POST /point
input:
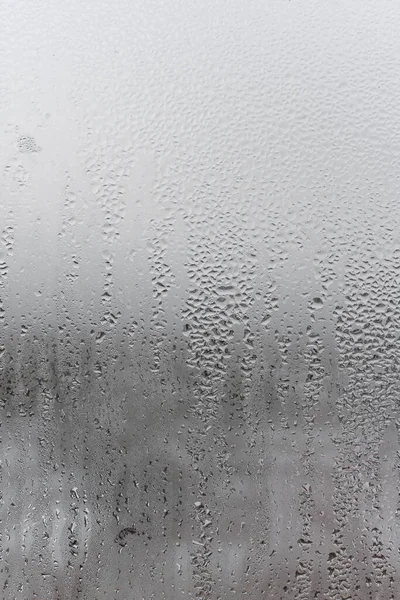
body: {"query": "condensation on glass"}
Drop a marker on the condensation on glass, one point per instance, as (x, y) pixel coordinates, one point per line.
(199, 300)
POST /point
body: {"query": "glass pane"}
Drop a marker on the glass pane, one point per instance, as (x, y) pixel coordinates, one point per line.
(199, 271)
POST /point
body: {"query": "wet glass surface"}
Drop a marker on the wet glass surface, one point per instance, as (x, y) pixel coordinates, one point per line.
(199, 300)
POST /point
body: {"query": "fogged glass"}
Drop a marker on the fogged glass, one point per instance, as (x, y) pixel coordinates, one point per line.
(199, 300)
